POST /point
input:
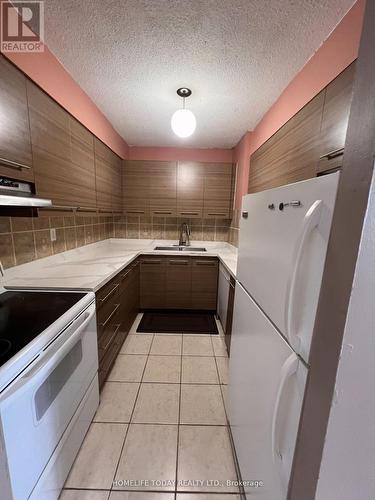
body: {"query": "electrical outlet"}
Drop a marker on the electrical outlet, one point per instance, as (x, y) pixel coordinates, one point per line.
(53, 234)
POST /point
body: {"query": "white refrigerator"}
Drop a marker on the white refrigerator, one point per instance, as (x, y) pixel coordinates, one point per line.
(283, 242)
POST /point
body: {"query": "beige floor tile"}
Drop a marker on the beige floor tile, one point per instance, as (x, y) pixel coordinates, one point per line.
(167, 345)
(137, 344)
(202, 404)
(97, 459)
(140, 495)
(84, 495)
(116, 402)
(197, 346)
(205, 452)
(157, 404)
(208, 496)
(150, 453)
(127, 368)
(163, 369)
(220, 349)
(223, 368)
(199, 370)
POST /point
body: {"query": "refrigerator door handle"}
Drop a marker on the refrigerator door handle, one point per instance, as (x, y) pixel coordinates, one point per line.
(288, 369)
(311, 221)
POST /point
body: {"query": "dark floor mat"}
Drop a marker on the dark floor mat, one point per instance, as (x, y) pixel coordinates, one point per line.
(199, 322)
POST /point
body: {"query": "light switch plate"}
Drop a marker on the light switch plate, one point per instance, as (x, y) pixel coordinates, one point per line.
(53, 234)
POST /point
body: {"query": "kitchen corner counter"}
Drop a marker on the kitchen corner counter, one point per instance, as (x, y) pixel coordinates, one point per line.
(92, 266)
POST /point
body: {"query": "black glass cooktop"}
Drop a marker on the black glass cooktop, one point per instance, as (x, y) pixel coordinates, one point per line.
(24, 315)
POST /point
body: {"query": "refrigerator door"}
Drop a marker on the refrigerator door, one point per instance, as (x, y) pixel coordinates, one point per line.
(266, 388)
(283, 244)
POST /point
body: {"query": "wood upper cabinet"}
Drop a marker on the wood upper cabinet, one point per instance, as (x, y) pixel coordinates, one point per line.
(190, 188)
(15, 144)
(217, 195)
(108, 172)
(292, 153)
(83, 164)
(335, 119)
(300, 149)
(150, 188)
(63, 151)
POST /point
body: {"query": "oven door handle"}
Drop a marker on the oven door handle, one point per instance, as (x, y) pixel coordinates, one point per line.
(46, 362)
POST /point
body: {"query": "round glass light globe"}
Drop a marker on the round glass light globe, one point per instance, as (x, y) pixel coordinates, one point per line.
(183, 122)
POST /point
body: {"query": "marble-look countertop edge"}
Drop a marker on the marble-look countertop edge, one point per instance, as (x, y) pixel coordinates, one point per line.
(30, 283)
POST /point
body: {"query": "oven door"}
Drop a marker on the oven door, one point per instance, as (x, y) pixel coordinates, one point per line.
(37, 407)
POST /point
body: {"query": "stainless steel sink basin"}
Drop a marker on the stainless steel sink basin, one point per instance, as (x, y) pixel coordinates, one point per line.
(177, 248)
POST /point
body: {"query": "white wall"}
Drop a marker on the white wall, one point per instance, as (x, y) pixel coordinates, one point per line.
(347, 471)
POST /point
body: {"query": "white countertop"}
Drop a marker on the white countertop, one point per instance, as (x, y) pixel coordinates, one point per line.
(91, 266)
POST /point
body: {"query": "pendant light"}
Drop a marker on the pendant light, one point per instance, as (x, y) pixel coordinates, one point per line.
(183, 121)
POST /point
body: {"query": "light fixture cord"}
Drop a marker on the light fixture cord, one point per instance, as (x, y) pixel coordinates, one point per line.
(183, 103)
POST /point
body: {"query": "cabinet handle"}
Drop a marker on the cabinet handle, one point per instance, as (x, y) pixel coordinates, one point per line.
(14, 164)
(109, 293)
(117, 327)
(135, 211)
(161, 213)
(333, 154)
(204, 263)
(105, 323)
(123, 276)
(151, 261)
(221, 215)
(177, 262)
(189, 213)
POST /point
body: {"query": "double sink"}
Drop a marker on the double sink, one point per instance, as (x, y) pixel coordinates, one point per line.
(181, 248)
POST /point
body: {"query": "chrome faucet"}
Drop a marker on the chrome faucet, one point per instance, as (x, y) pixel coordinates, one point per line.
(184, 235)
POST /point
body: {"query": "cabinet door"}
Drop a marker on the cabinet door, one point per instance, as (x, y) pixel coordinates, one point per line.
(116, 179)
(178, 283)
(335, 120)
(136, 188)
(292, 153)
(103, 174)
(153, 283)
(268, 162)
(162, 177)
(50, 138)
(204, 279)
(190, 189)
(217, 195)
(15, 144)
(83, 164)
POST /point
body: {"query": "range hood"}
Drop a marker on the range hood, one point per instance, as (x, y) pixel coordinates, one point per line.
(19, 194)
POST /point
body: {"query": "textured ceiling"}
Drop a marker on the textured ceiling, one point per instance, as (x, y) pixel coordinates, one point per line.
(237, 56)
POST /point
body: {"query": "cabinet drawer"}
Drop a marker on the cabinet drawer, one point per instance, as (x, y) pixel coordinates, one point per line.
(106, 339)
(108, 292)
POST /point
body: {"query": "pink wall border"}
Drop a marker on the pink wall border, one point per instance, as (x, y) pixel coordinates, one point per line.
(338, 51)
(174, 154)
(47, 72)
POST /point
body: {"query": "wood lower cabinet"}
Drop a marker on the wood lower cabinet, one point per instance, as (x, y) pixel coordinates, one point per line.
(178, 283)
(204, 279)
(15, 143)
(153, 282)
(117, 305)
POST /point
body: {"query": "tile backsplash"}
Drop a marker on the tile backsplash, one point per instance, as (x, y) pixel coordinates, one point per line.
(234, 228)
(24, 239)
(144, 227)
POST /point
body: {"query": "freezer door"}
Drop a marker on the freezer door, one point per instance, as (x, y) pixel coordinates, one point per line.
(282, 249)
(266, 388)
